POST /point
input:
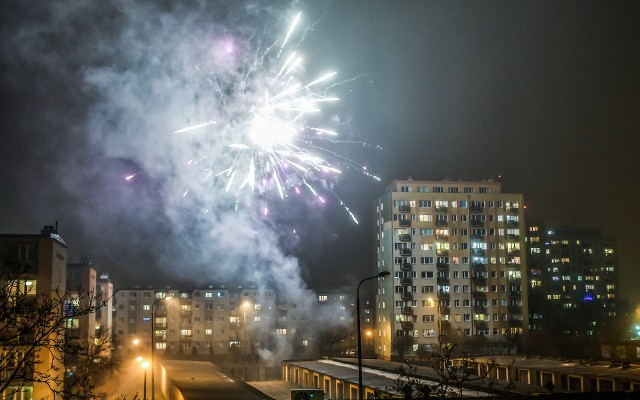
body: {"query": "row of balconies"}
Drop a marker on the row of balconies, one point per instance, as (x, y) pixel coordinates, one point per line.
(405, 208)
(479, 324)
(476, 223)
(407, 252)
(476, 266)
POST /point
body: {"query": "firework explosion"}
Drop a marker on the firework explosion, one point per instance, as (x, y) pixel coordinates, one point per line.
(272, 147)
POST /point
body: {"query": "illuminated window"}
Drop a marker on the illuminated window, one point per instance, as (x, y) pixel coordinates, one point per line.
(72, 323)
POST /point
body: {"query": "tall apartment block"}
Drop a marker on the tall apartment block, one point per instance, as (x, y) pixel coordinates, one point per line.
(94, 290)
(456, 253)
(44, 257)
(570, 269)
(213, 320)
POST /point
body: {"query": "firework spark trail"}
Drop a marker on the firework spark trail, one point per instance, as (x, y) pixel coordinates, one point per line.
(190, 128)
(270, 141)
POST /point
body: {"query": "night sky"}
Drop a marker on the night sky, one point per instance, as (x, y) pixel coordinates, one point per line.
(541, 95)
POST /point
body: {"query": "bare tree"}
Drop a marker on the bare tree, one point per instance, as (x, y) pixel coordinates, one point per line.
(403, 344)
(407, 384)
(32, 330)
(89, 361)
(457, 372)
(329, 338)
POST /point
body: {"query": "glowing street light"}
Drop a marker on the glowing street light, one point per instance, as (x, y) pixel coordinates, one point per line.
(360, 388)
(144, 365)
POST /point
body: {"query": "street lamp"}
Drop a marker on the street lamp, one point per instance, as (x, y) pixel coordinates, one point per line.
(245, 305)
(144, 365)
(153, 347)
(360, 388)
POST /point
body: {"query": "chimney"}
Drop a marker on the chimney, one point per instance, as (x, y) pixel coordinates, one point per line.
(48, 230)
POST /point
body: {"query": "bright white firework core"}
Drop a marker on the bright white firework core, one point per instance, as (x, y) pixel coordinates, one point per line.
(270, 133)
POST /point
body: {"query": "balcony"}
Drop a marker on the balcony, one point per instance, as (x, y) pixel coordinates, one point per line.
(442, 209)
(511, 210)
(511, 222)
(478, 252)
(513, 237)
(476, 237)
(514, 294)
(407, 325)
(442, 267)
(407, 311)
(443, 294)
(406, 266)
(479, 295)
(513, 279)
(405, 223)
(479, 280)
(515, 323)
(513, 251)
(405, 252)
(476, 209)
(478, 309)
(444, 310)
(442, 238)
(405, 237)
(404, 209)
(477, 223)
(407, 296)
(406, 281)
(513, 266)
(514, 309)
(479, 266)
(480, 324)
(443, 280)
(442, 252)
(440, 222)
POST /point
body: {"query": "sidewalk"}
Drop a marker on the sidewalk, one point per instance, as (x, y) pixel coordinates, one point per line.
(277, 390)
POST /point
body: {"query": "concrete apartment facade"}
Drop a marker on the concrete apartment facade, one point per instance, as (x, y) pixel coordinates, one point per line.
(45, 259)
(456, 254)
(212, 320)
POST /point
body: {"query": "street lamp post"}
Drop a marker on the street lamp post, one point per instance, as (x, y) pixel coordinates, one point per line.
(153, 347)
(360, 388)
(145, 365)
(244, 339)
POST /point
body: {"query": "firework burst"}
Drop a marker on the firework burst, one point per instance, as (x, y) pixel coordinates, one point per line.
(272, 147)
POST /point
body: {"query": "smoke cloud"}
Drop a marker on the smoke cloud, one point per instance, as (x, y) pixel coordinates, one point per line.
(131, 74)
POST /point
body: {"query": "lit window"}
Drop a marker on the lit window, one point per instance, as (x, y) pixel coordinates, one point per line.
(72, 323)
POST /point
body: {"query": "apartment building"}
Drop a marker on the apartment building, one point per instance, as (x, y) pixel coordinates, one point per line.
(213, 320)
(44, 258)
(456, 254)
(571, 270)
(92, 289)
